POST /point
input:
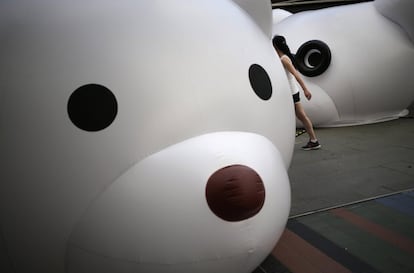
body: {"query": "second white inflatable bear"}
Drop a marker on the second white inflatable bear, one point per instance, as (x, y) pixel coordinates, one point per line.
(357, 60)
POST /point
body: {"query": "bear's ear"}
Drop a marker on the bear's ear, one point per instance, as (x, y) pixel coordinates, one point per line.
(260, 11)
(400, 12)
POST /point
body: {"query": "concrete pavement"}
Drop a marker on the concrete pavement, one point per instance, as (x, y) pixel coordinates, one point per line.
(355, 163)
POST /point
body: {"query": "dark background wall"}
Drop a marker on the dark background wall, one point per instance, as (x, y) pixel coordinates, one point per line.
(296, 6)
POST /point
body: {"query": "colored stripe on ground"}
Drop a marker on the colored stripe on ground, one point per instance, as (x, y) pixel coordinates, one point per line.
(364, 246)
(271, 265)
(401, 202)
(386, 217)
(382, 233)
(409, 193)
(329, 248)
(368, 237)
(301, 257)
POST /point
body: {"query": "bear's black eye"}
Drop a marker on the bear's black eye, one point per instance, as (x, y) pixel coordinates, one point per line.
(92, 107)
(260, 82)
(313, 58)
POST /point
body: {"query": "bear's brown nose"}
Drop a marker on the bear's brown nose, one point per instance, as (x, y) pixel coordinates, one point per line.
(235, 193)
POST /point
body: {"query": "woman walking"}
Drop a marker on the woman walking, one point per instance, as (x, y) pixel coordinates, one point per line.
(282, 49)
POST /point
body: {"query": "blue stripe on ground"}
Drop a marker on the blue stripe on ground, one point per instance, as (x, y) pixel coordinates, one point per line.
(271, 265)
(329, 248)
(400, 202)
(409, 193)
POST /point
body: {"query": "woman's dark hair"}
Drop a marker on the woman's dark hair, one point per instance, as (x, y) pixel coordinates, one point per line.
(279, 42)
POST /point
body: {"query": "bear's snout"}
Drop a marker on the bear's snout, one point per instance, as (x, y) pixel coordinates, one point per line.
(235, 193)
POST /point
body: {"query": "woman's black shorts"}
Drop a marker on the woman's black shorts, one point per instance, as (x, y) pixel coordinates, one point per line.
(296, 97)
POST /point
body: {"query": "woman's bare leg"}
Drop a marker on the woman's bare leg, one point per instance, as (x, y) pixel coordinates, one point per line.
(307, 123)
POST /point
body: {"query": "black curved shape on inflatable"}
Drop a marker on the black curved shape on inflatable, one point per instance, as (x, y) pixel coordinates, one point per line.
(313, 58)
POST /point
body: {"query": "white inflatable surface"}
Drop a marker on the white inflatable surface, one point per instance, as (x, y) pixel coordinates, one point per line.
(117, 119)
(279, 15)
(370, 75)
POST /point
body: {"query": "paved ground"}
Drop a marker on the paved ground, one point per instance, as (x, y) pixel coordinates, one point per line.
(354, 163)
(374, 236)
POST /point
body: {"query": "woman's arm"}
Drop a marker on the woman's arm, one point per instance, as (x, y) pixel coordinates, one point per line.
(287, 63)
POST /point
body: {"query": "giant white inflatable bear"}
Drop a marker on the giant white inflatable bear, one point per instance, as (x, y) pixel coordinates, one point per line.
(141, 136)
(357, 59)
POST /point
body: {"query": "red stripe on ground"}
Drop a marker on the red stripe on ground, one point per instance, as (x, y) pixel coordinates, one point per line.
(383, 233)
(301, 257)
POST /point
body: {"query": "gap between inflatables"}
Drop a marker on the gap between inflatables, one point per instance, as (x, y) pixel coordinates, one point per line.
(410, 111)
(300, 132)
